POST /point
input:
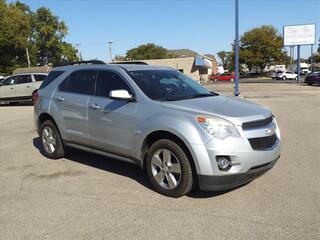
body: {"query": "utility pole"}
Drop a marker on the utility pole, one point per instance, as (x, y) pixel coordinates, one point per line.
(236, 87)
(28, 59)
(78, 49)
(110, 51)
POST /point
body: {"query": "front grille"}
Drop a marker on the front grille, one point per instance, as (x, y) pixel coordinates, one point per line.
(257, 124)
(263, 143)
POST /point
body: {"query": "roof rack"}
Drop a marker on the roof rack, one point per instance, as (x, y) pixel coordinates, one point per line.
(129, 62)
(88, 62)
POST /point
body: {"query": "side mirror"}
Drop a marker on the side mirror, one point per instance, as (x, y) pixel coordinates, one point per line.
(121, 95)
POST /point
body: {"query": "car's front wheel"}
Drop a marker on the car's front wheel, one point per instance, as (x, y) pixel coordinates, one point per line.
(169, 169)
(51, 143)
(284, 78)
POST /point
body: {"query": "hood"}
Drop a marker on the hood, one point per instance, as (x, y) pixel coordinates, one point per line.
(234, 109)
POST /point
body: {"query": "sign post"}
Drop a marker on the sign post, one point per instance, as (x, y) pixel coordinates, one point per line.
(236, 82)
(298, 64)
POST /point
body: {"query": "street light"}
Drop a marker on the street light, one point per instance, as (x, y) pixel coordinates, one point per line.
(110, 51)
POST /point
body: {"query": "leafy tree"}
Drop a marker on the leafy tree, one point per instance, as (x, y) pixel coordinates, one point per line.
(48, 35)
(14, 31)
(119, 58)
(41, 32)
(225, 58)
(147, 51)
(261, 47)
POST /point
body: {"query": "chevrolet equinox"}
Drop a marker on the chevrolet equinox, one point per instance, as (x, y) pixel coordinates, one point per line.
(179, 132)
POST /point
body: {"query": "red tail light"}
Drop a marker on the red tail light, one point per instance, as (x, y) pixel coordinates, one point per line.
(35, 97)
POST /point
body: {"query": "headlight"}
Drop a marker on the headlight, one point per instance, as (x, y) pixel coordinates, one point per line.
(218, 127)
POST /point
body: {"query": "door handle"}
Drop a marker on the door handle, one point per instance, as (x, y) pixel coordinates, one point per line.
(60, 98)
(28, 86)
(94, 106)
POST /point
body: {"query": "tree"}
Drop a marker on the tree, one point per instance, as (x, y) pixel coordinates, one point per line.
(48, 35)
(15, 28)
(225, 58)
(261, 47)
(41, 32)
(147, 51)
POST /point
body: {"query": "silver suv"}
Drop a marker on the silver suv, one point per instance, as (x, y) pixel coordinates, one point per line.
(182, 134)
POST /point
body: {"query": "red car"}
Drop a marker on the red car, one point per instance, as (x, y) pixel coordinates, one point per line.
(223, 77)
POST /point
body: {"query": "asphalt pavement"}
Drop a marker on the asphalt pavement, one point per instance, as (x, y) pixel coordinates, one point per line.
(86, 196)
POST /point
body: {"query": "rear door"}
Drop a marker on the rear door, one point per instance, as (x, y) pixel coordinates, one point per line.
(24, 86)
(71, 98)
(111, 122)
(7, 88)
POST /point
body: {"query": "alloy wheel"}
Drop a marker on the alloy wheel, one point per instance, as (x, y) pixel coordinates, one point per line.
(166, 169)
(49, 140)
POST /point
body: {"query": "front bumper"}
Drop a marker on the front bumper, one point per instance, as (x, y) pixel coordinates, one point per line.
(218, 183)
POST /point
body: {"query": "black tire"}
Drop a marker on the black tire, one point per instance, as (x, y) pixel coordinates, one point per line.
(59, 150)
(310, 84)
(186, 182)
(284, 78)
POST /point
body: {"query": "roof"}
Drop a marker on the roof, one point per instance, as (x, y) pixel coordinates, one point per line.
(127, 67)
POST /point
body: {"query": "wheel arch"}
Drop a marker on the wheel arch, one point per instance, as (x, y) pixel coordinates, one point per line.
(163, 134)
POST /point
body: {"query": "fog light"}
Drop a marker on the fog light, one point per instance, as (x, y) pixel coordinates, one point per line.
(224, 162)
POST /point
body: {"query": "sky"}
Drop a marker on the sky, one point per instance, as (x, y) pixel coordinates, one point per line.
(205, 26)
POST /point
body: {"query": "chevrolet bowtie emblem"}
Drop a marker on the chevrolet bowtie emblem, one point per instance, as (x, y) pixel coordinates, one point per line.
(269, 132)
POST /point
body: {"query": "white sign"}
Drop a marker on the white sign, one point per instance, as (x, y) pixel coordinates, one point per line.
(299, 35)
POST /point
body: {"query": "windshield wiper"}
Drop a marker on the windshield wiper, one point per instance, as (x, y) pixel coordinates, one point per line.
(203, 95)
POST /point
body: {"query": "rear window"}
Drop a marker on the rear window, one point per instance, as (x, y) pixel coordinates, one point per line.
(50, 78)
(39, 77)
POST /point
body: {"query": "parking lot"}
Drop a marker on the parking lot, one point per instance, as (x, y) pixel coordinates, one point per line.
(86, 196)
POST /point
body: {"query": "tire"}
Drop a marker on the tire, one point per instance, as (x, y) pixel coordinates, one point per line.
(296, 78)
(51, 142)
(175, 177)
(284, 78)
(309, 83)
(215, 79)
(232, 79)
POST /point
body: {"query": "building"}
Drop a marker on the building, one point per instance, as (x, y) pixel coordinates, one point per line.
(195, 65)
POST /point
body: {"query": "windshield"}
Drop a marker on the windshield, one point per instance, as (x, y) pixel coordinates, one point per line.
(168, 85)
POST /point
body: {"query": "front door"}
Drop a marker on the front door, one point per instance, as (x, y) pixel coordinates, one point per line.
(24, 86)
(71, 98)
(7, 88)
(111, 122)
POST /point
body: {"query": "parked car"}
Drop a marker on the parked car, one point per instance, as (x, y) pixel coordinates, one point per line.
(223, 77)
(312, 78)
(18, 88)
(178, 131)
(286, 75)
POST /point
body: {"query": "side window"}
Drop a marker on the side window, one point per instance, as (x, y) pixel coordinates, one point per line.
(39, 77)
(50, 78)
(81, 82)
(24, 79)
(108, 81)
(9, 81)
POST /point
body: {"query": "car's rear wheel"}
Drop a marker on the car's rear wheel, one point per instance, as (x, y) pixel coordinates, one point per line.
(284, 78)
(51, 143)
(215, 79)
(232, 79)
(169, 169)
(296, 78)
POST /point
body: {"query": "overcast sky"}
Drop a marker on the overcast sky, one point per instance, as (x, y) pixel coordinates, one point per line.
(204, 26)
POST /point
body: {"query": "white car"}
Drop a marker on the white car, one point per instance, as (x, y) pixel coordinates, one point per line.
(286, 75)
(19, 88)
